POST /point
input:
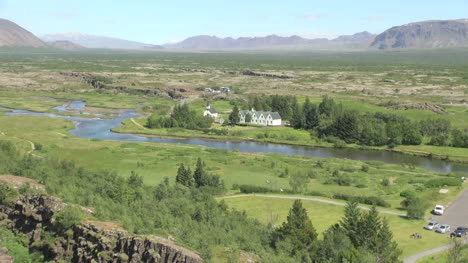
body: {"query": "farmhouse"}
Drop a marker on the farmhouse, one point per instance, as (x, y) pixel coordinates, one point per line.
(210, 112)
(265, 118)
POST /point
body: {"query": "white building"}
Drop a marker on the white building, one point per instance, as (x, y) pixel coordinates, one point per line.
(264, 118)
(210, 112)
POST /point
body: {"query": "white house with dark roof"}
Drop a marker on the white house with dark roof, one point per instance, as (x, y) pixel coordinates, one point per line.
(264, 118)
(210, 112)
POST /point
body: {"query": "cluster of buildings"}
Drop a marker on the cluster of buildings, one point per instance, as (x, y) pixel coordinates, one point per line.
(221, 90)
(263, 118)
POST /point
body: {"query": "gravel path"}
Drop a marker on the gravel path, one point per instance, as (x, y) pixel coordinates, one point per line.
(313, 199)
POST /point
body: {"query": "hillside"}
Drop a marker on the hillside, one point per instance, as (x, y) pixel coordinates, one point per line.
(427, 34)
(94, 41)
(12, 35)
(65, 45)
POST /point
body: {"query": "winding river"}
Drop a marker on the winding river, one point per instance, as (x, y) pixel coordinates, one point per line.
(101, 129)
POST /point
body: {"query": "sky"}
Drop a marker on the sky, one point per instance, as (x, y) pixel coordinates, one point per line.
(159, 22)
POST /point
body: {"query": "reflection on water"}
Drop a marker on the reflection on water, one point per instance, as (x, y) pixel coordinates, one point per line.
(101, 129)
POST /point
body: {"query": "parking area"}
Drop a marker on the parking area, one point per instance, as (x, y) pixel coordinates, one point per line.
(456, 214)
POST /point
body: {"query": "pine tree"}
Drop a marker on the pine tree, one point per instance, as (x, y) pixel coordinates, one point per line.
(351, 222)
(199, 174)
(297, 119)
(234, 116)
(387, 250)
(371, 226)
(184, 176)
(297, 229)
(180, 174)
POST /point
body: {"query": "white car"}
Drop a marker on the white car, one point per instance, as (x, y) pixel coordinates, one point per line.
(431, 225)
(439, 210)
(443, 229)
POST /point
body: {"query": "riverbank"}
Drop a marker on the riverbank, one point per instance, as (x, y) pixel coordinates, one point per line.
(289, 136)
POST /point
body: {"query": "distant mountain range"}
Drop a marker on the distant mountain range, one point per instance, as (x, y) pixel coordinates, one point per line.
(12, 35)
(426, 34)
(93, 41)
(205, 42)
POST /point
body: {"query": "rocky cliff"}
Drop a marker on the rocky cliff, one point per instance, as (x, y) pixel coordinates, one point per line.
(33, 216)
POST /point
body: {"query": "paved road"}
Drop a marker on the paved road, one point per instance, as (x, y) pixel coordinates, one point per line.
(456, 214)
(314, 200)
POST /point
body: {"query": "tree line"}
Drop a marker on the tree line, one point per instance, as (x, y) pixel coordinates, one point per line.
(330, 120)
(181, 117)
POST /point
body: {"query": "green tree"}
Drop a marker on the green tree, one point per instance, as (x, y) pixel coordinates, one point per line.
(414, 206)
(351, 222)
(234, 116)
(297, 230)
(297, 118)
(184, 176)
(199, 173)
(370, 227)
(299, 182)
(248, 118)
(387, 250)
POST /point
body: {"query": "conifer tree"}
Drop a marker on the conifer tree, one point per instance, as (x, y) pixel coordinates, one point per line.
(387, 250)
(234, 116)
(351, 222)
(199, 173)
(184, 176)
(370, 227)
(297, 229)
(297, 119)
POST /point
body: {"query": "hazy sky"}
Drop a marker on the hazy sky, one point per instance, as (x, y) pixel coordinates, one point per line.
(157, 22)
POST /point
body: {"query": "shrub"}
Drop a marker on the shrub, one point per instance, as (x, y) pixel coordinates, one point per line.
(365, 168)
(385, 182)
(369, 200)
(249, 189)
(68, 217)
(439, 182)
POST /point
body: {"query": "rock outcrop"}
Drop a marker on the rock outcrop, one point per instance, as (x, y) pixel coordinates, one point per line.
(33, 215)
(173, 93)
(4, 257)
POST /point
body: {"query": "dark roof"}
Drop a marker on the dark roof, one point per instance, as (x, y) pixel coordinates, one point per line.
(212, 111)
(275, 116)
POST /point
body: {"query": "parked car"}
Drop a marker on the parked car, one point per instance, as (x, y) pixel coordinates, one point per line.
(443, 229)
(439, 210)
(431, 225)
(459, 232)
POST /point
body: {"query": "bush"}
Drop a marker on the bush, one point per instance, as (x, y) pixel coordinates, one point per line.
(440, 182)
(68, 217)
(365, 168)
(369, 200)
(249, 189)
